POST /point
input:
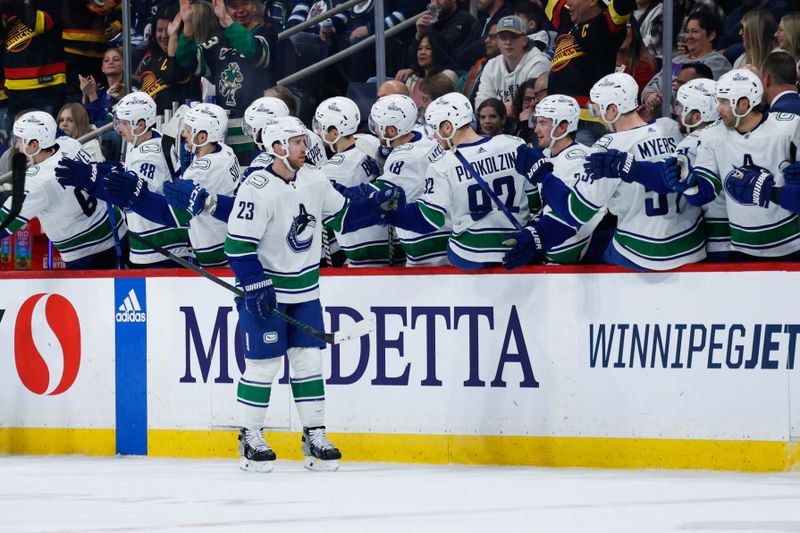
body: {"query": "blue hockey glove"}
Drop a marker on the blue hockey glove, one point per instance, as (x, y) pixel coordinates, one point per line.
(355, 192)
(612, 164)
(259, 296)
(678, 176)
(750, 185)
(526, 247)
(75, 173)
(186, 195)
(532, 163)
(382, 201)
(791, 174)
(125, 188)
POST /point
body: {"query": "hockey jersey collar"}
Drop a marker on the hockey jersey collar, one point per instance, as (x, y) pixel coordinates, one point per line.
(483, 139)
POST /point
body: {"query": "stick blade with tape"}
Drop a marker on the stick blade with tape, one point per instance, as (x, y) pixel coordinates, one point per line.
(364, 327)
(19, 164)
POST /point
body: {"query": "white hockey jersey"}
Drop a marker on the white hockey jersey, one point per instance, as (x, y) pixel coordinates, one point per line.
(654, 231)
(771, 232)
(452, 193)
(405, 167)
(715, 213)
(368, 246)
(218, 173)
(315, 155)
(148, 161)
(77, 223)
(498, 82)
(568, 167)
(282, 223)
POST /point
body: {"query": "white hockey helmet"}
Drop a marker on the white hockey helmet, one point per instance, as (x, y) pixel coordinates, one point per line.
(337, 112)
(395, 110)
(452, 107)
(134, 107)
(737, 84)
(559, 108)
(698, 95)
(35, 126)
(259, 112)
(617, 88)
(209, 118)
(280, 130)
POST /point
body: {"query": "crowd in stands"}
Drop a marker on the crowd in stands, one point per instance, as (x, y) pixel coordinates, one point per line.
(65, 58)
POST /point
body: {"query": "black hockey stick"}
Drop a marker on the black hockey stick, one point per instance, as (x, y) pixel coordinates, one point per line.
(360, 329)
(19, 165)
(485, 187)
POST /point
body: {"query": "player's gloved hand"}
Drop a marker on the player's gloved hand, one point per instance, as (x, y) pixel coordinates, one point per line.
(185, 194)
(355, 192)
(383, 201)
(750, 185)
(678, 176)
(532, 163)
(526, 246)
(124, 188)
(791, 174)
(611, 164)
(259, 296)
(76, 173)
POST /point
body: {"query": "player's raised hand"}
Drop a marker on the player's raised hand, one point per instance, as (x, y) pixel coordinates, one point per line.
(750, 185)
(612, 164)
(526, 247)
(259, 296)
(532, 163)
(124, 188)
(678, 176)
(76, 173)
(186, 195)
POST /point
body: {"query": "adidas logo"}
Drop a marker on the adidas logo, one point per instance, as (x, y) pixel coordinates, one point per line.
(481, 150)
(131, 310)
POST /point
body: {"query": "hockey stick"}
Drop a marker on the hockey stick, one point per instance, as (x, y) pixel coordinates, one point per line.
(360, 329)
(19, 165)
(485, 187)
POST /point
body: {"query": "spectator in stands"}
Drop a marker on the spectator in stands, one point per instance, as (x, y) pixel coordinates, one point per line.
(237, 61)
(84, 37)
(74, 121)
(788, 34)
(702, 28)
(489, 12)
(432, 88)
(731, 35)
(33, 63)
(432, 58)
(286, 96)
(312, 44)
(518, 61)
(779, 76)
(533, 17)
(492, 117)
(361, 24)
(392, 87)
(649, 16)
(451, 26)
(100, 98)
(758, 36)
(528, 95)
(468, 83)
(589, 35)
(687, 73)
(159, 73)
(634, 58)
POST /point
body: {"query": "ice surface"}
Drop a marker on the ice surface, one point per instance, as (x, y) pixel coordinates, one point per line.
(120, 494)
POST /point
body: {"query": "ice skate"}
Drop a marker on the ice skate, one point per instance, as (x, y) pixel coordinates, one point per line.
(320, 454)
(255, 453)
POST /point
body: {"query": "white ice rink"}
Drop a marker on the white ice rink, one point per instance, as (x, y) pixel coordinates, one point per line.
(90, 494)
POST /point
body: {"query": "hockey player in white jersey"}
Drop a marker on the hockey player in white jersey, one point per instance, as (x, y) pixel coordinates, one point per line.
(751, 144)
(655, 231)
(393, 119)
(336, 121)
(79, 226)
(273, 246)
(453, 193)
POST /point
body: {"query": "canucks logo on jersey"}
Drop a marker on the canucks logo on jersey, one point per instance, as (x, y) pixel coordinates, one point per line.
(301, 232)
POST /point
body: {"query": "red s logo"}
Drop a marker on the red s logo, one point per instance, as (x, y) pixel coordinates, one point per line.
(42, 328)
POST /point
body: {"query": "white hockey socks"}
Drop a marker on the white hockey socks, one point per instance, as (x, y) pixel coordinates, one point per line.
(308, 387)
(254, 390)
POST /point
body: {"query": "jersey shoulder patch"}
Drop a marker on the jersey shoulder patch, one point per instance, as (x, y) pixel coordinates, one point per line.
(201, 164)
(337, 159)
(257, 180)
(576, 153)
(150, 148)
(604, 141)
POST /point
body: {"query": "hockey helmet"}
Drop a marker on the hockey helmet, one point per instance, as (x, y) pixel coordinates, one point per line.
(134, 107)
(395, 110)
(280, 130)
(35, 126)
(698, 95)
(559, 108)
(259, 112)
(452, 107)
(737, 84)
(337, 112)
(209, 118)
(617, 88)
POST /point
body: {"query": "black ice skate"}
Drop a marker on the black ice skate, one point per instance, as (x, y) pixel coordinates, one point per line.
(256, 455)
(320, 454)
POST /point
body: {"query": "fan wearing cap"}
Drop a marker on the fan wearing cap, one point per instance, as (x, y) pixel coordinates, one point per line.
(519, 60)
(78, 225)
(589, 34)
